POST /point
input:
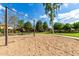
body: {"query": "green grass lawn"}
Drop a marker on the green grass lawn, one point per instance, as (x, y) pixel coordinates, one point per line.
(69, 34)
(65, 34)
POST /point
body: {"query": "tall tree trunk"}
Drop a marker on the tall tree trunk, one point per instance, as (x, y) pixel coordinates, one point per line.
(52, 23)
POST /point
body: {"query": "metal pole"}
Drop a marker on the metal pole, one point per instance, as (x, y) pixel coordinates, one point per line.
(6, 25)
(34, 27)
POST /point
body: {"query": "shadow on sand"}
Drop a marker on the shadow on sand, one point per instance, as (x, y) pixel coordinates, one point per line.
(3, 45)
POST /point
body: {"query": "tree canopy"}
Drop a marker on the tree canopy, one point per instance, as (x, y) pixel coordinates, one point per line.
(45, 26)
(28, 26)
(39, 26)
(50, 10)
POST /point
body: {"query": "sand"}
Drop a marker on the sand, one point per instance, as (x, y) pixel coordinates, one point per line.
(40, 45)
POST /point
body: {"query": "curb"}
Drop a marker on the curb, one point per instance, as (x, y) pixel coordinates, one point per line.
(76, 38)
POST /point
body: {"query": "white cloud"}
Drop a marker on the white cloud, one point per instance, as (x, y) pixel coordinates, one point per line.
(43, 16)
(55, 20)
(1, 7)
(65, 4)
(71, 16)
(26, 15)
(14, 9)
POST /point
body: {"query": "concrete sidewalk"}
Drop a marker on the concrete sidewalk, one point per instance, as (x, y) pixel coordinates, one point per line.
(76, 38)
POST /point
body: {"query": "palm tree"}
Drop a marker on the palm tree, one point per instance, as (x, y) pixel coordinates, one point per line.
(50, 10)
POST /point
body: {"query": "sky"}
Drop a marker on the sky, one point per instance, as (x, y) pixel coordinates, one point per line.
(68, 13)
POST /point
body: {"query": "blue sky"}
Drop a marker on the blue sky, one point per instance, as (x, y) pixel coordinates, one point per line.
(68, 13)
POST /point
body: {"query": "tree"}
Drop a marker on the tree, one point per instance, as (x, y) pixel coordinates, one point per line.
(50, 9)
(28, 26)
(0, 30)
(67, 27)
(76, 26)
(39, 26)
(45, 26)
(20, 25)
(0, 22)
(58, 26)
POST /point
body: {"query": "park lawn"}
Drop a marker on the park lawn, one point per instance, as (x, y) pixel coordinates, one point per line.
(42, 33)
(69, 34)
(65, 34)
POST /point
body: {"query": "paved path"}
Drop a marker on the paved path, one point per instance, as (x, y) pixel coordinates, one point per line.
(76, 38)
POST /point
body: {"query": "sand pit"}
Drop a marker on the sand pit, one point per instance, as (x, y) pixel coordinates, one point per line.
(41, 45)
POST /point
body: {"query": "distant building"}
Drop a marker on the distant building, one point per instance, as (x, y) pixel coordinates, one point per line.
(2, 26)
